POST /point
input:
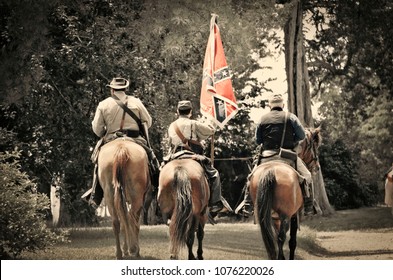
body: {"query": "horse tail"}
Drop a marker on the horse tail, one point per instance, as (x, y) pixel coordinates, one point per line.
(182, 214)
(265, 192)
(119, 172)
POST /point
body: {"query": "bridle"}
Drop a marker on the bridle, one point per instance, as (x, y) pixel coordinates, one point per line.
(310, 148)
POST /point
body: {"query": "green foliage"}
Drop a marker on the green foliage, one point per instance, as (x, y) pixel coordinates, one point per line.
(340, 169)
(350, 69)
(22, 219)
(57, 57)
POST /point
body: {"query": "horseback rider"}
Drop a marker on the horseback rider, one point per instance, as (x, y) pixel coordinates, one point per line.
(388, 177)
(120, 115)
(270, 135)
(185, 135)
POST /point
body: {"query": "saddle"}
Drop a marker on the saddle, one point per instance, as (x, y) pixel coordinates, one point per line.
(286, 156)
(184, 154)
(110, 137)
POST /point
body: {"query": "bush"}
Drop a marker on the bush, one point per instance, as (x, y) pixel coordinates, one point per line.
(22, 220)
(340, 171)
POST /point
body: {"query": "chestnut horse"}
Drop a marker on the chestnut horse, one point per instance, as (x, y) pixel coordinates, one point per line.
(389, 188)
(278, 200)
(124, 176)
(183, 196)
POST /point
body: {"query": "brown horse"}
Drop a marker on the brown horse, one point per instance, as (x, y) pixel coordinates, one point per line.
(124, 176)
(183, 196)
(278, 199)
(389, 188)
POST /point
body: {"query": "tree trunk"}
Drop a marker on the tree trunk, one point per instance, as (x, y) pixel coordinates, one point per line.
(55, 206)
(299, 99)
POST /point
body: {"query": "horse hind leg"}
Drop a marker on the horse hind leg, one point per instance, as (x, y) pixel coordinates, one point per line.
(284, 226)
(116, 231)
(200, 235)
(190, 240)
(135, 227)
(292, 240)
(174, 244)
(125, 245)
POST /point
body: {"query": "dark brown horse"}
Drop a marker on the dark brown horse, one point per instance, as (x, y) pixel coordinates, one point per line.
(277, 197)
(183, 196)
(124, 176)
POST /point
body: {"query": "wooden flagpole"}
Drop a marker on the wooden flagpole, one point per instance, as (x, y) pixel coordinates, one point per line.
(212, 149)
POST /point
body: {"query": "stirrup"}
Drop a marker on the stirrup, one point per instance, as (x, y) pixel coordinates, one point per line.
(248, 210)
(87, 194)
(216, 208)
(240, 207)
(226, 205)
(309, 209)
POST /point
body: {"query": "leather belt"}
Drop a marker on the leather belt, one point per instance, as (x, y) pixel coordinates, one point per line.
(181, 148)
(129, 133)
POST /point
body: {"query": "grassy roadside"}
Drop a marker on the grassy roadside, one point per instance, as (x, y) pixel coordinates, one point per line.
(353, 219)
(373, 219)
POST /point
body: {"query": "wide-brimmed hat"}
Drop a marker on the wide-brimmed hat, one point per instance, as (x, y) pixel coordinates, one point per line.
(119, 83)
(276, 101)
(184, 105)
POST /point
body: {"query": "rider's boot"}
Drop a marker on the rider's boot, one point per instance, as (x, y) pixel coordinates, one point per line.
(309, 207)
(215, 204)
(308, 197)
(95, 194)
(246, 207)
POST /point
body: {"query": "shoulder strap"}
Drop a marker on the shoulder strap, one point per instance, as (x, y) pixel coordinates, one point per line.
(127, 110)
(178, 132)
(285, 128)
(183, 139)
(122, 118)
(134, 116)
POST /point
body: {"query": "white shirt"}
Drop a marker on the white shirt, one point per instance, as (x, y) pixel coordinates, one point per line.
(109, 114)
(191, 129)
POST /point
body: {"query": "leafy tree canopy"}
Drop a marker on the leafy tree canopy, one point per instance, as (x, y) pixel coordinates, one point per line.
(58, 56)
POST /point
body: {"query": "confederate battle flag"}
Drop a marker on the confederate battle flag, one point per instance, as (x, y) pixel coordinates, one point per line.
(218, 101)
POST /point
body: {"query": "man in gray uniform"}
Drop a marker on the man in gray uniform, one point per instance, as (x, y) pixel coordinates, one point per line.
(186, 134)
(112, 120)
(269, 134)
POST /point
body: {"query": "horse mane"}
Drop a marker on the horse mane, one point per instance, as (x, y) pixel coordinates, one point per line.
(313, 135)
